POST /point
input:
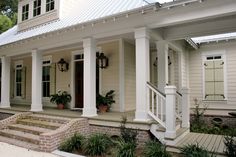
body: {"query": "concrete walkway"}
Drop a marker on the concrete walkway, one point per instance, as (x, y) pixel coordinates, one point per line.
(7, 150)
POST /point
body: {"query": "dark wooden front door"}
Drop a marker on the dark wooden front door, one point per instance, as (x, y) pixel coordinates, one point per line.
(79, 84)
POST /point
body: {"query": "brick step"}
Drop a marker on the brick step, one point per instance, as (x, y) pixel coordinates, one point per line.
(21, 136)
(28, 129)
(47, 118)
(39, 123)
(19, 143)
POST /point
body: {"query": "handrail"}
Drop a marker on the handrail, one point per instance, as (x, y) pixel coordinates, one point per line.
(155, 89)
(178, 93)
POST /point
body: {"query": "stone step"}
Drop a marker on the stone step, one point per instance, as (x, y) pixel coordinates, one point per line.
(47, 118)
(21, 136)
(19, 143)
(39, 123)
(28, 129)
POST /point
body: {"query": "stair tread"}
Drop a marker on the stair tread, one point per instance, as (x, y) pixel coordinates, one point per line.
(19, 133)
(54, 124)
(19, 143)
(46, 117)
(30, 128)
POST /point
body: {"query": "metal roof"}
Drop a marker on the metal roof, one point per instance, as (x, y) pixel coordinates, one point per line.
(217, 37)
(86, 11)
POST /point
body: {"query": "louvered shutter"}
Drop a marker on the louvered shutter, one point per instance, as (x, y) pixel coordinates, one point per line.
(12, 85)
(219, 79)
(53, 79)
(209, 80)
(23, 83)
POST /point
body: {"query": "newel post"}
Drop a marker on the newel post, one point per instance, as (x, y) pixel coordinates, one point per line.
(170, 92)
(185, 107)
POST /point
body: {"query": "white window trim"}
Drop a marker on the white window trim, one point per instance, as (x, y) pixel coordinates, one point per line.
(46, 58)
(20, 62)
(214, 53)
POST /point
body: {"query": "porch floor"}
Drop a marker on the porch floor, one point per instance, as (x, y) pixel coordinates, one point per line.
(213, 143)
(108, 116)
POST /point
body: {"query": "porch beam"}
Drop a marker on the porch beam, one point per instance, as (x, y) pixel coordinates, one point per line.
(162, 67)
(89, 109)
(36, 104)
(142, 72)
(5, 82)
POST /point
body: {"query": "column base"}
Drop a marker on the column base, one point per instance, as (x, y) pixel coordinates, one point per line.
(36, 109)
(89, 112)
(186, 125)
(141, 116)
(5, 105)
(170, 134)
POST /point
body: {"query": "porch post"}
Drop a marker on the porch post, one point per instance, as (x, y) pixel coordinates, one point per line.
(89, 109)
(36, 105)
(185, 107)
(162, 67)
(142, 73)
(170, 92)
(5, 83)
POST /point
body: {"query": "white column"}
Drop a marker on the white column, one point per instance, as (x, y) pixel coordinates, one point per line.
(162, 67)
(142, 73)
(36, 105)
(5, 86)
(170, 92)
(89, 109)
(185, 107)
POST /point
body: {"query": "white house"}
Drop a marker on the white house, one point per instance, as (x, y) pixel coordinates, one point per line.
(151, 50)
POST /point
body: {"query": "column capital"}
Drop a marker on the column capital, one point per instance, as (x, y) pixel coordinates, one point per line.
(170, 90)
(142, 32)
(88, 42)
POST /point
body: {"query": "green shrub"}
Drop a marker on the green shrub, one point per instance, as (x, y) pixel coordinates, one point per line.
(195, 150)
(97, 144)
(125, 149)
(72, 144)
(230, 144)
(127, 134)
(155, 149)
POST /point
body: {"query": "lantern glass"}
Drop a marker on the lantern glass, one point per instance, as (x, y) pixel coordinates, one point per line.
(62, 65)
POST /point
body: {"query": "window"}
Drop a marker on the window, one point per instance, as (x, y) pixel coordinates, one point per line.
(37, 7)
(214, 78)
(25, 12)
(50, 5)
(46, 78)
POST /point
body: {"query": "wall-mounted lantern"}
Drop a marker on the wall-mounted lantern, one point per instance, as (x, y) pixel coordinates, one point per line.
(156, 61)
(102, 60)
(63, 65)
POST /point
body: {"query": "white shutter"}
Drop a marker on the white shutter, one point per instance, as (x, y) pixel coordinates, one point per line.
(53, 79)
(209, 80)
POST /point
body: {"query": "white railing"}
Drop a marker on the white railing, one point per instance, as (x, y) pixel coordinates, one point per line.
(179, 105)
(156, 104)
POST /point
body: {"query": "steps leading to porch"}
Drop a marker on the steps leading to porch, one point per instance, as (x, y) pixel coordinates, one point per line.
(26, 131)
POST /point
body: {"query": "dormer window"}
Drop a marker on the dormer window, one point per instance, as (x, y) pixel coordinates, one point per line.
(37, 7)
(50, 5)
(25, 12)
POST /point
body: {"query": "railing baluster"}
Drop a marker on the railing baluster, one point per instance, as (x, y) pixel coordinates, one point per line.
(161, 114)
(157, 102)
(152, 102)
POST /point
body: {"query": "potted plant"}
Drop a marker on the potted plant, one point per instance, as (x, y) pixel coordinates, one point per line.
(61, 98)
(104, 102)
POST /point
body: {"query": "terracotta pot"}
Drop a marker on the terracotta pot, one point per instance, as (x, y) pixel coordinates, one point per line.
(60, 106)
(103, 108)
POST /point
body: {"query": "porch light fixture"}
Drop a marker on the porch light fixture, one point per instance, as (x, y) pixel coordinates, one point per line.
(62, 65)
(156, 61)
(102, 61)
